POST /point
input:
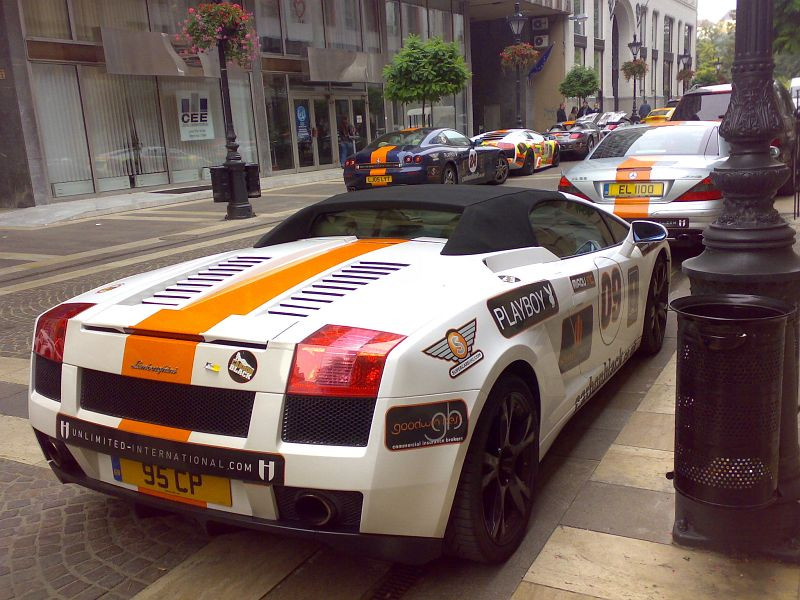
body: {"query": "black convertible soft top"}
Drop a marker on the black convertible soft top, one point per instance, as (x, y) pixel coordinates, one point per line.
(492, 218)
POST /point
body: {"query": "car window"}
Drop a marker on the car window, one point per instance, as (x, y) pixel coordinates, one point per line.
(405, 137)
(650, 141)
(386, 223)
(439, 139)
(456, 139)
(569, 228)
(619, 228)
(702, 107)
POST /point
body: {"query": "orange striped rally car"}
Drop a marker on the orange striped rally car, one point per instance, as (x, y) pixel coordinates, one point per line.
(526, 150)
(659, 172)
(424, 155)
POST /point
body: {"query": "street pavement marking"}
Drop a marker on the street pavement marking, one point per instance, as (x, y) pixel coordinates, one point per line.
(162, 211)
(18, 443)
(636, 467)
(266, 219)
(134, 217)
(616, 568)
(15, 370)
(240, 565)
(25, 256)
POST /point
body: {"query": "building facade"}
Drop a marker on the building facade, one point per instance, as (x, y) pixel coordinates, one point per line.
(103, 99)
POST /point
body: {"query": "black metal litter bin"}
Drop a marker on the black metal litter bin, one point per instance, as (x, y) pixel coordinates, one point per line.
(728, 398)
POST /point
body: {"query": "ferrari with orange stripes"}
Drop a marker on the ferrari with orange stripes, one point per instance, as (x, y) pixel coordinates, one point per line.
(659, 172)
(382, 371)
(526, 150)
(424, 155)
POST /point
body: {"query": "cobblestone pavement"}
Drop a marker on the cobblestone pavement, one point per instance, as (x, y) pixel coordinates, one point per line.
(63, 541)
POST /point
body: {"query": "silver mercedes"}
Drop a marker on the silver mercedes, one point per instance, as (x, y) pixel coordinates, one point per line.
(656, 172)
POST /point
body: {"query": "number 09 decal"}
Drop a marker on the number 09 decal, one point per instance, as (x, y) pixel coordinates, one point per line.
(610, 304)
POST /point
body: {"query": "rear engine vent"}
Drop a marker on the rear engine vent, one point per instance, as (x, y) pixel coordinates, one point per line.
(47, 377)
(182, 292)
(192, 407)
(327, 421)
(330, 288)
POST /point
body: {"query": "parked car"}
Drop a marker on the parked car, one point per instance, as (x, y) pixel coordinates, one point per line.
(659, 115)
(383, 371)
(424, 155)
(578, 139)
(526, 150)
(711, 103)
(611, 121)
(657, 172)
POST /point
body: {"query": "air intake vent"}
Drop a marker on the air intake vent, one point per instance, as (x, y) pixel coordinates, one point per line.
(182, 292)
(330, 288)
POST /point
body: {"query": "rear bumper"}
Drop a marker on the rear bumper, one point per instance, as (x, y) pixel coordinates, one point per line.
(404, 176)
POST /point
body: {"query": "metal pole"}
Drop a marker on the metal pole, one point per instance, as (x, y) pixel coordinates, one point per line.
(239, 206)
(749, 250)
(519, 109)
(633, 110)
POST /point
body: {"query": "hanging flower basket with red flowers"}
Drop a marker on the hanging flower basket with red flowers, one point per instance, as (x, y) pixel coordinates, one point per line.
(634, 68)
(209, 23)
(518, 55)
(685, 75)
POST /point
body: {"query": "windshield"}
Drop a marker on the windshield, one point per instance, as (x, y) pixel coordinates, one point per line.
(387, 223)
(648, 141)
(404, 137)
(702, 107)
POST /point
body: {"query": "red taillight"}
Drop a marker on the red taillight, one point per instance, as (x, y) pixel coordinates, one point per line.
(776, 142)
(350, 162)
(574, 136)
(408, 159)
(341, 361)
(705, 190)
(51, 330)
(612, 127)
(418, 159)
(565, 185)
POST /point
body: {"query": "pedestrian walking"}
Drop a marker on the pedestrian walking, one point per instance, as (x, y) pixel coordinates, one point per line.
(346, 135)
(561, 114)
(644, 109)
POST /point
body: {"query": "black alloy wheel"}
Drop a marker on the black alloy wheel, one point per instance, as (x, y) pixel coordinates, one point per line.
(655, 311)
(500, 170)
(557, 157)
(495, 493)
(589, 146)
(449, 175)
(529, 166)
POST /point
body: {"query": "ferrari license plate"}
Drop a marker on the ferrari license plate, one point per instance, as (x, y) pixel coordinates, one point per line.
(192, 486)
(644, 189)
(379, 179)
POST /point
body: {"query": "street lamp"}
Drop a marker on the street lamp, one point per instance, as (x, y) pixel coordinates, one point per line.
(229, 182)
(685, 60)
(634, 46)
(718, 67)
(517, 24)
(749, 250)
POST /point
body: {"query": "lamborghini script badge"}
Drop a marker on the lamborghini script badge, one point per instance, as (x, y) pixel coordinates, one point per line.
(457, 346)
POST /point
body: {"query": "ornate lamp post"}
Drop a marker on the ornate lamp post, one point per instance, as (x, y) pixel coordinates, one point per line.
(749, 250)
(685, 60)
(718, 67)
(517, 24)
(634, 46)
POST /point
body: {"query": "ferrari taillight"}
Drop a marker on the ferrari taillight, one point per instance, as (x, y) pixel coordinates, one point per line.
(565, 185)
(51, 329)
(408, 159)
(705, 190)
(612, 126)
(350, 162)
(575, 136)
(337, 360)
(418, 159)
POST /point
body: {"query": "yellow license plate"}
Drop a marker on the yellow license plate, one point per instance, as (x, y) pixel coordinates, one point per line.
(379, 179)
(163, 480)
(644, 189)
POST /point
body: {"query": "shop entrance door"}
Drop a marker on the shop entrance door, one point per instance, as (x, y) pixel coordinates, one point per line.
(355, 111)
(312, 128)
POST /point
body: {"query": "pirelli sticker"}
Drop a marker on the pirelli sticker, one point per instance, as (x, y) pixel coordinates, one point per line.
(258, 467)
(523, 307)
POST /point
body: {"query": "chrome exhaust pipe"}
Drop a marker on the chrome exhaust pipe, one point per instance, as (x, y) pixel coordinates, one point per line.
(315, 510)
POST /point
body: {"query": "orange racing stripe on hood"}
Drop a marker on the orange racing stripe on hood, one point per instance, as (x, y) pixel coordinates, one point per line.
(633, 208)
(244, 297)
(379, 155)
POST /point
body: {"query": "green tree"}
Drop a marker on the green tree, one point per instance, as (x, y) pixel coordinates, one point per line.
(425, 72)
(580, 82)
(786, 21)
(715, 41)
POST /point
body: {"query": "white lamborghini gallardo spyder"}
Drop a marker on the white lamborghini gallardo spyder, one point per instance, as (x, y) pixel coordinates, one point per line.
(383, 371)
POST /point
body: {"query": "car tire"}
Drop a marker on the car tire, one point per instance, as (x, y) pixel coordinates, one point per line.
(494, 497)
(655, 310)
(589, 147)
(500, 170)
(557, 157)
(529, 167)
(449, 175)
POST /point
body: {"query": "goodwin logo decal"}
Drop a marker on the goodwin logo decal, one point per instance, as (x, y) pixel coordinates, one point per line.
(242, 366)
(633, 295)
(576, 339)
(457, 346)
(422, 425)
(524, 307)
(163, 370)
(610, 303)
(584, 281)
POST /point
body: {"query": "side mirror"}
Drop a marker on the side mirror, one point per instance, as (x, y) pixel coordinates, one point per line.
(774, 151)
(641, 234)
